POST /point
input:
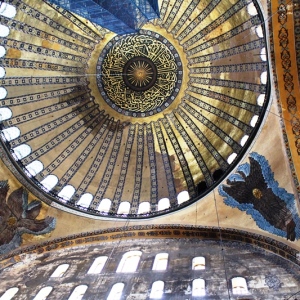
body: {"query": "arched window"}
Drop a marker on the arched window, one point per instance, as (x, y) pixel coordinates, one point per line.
(231, 157)
(263, 54)
(60, 270)
(198, 263)
(35, 167)
(104, 205)
(9, 294)
(49, 182)
(22, 151)
(239, 286)
(78, 292)
(11, 133)
(5, 112)
(252, 11)
(67, 192)
(85, 200)
(263, 77)
(2, 72)
(3, 91)
(254, 120)
(157, 289)
(116, 291)
(7, 10)
(259, 31)
(4, 31)
(160, 262)
(2, 51)
(129, 262)
(244, 140)
(144, 208)
(183, 196)
(97, 265)
(260, 99)
(124, 208)
(43, 293)
(198, 287)
(163, 204)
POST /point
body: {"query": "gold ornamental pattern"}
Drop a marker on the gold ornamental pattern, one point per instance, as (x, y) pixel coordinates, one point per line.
(140, 74)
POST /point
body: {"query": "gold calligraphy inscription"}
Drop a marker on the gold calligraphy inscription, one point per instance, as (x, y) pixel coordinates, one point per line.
(139, 73)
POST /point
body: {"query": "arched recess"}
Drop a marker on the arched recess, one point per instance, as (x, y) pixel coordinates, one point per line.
(239, 286)
(60, 270)
(129, 262)
(67, 192)
(160, 262)
(78, 292)
(104, 205)
(97, 265)
(85, 200)
(43, 293)
(10, 293)
(49, 182)
(124, 208)
(116, 291)
(144, 208)
(157, 290)
(198, 287)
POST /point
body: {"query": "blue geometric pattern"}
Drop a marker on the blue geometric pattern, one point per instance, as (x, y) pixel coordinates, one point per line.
(121, 17)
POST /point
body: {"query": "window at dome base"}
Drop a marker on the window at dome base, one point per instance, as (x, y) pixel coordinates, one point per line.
(134, 125)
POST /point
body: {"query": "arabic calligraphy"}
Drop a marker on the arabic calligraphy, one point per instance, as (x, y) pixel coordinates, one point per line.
(139, 74)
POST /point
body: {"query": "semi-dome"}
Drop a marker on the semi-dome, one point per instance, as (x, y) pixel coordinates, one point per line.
(132, 125)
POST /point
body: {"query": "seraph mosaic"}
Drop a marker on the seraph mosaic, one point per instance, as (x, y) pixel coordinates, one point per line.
(17, 217)
(253, 189)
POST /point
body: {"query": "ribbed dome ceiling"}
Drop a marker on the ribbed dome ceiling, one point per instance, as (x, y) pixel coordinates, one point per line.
(165, 113)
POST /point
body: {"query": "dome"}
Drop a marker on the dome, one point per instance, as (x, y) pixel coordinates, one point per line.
(133, 118)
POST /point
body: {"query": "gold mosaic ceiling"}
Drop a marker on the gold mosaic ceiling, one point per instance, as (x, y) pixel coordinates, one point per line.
(102, 123)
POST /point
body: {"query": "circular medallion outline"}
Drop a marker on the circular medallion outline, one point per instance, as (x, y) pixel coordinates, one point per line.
(125, 92)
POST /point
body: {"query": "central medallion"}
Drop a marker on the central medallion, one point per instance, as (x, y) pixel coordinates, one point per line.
(140, 74)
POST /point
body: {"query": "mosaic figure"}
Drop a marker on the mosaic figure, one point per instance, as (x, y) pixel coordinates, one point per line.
(17, 217)
(254, 190)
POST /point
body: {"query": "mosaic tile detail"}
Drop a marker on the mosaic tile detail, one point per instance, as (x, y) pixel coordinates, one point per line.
(201, 104)
(192, 146)
(16, 25)
(42, 51)
(226, 36)
(125, 163)
(180, 155)
(225, 98)
(258, 44)
(173, 13)
(273, 282)
(107, 136)
(105, 180)
(166, 162)
(220, 160)
(138, 169)
(213, 25)
(254, 190)
(46, 110)
(20, 81)
(225, 137)
(152, 165)
(30, 98)
(208, 9)
(89, 120)
(25, 138)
